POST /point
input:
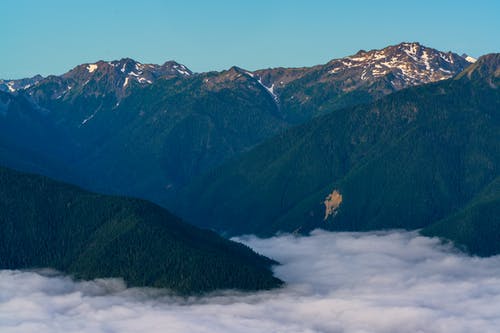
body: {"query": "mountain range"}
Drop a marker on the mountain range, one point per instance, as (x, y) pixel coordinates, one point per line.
(401, 137)
(148, 130)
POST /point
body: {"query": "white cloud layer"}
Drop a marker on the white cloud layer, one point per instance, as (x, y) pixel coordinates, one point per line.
(337, 282)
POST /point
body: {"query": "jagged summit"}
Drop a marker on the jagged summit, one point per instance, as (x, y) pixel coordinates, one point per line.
(362, 77)
(403, 65)
(102, 78)
(127, 65)
(116, 75)
(406, 63)
(126, 70)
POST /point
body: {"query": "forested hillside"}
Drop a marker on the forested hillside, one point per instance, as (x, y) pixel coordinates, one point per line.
(50, 224)
(405, 161)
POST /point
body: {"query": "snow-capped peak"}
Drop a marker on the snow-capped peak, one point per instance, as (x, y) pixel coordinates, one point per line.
(409, 64)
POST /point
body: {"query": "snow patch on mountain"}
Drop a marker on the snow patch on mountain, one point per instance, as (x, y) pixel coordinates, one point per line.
(142, 80)
(91, 68)
(270, 90)
(470, 59)
(84, 121)
(10, 86)
(249, 74)
(181, 69)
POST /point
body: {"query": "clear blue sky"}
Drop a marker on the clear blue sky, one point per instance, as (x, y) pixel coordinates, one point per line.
(52, 36)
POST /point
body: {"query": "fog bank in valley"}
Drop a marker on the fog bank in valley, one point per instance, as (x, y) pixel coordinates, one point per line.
(336, 282)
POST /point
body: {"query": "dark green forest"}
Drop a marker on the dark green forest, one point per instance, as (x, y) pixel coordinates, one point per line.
(50, 224)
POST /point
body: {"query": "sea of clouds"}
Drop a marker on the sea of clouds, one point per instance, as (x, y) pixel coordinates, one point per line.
(336, 282)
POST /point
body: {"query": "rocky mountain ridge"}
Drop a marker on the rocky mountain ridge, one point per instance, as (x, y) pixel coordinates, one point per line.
(404, 65)
(149, 130)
